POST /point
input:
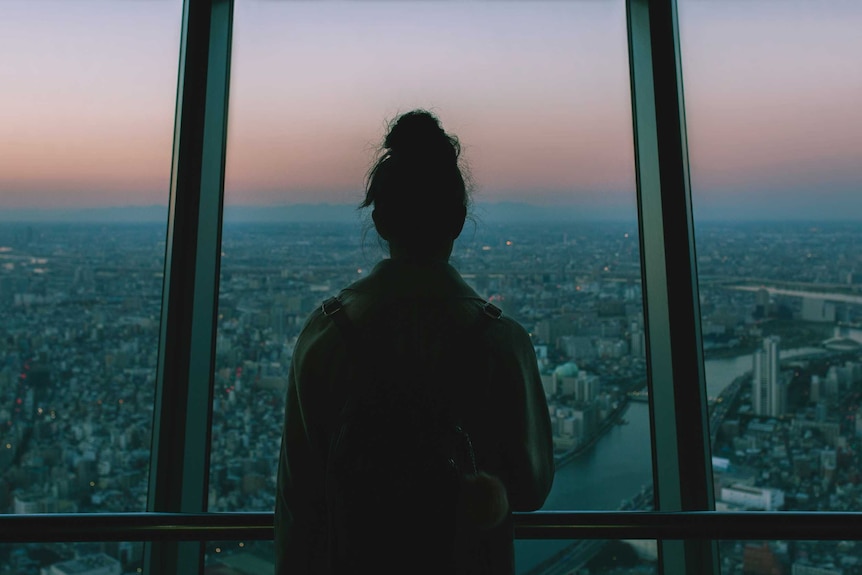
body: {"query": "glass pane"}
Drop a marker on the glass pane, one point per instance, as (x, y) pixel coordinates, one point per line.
(792, 557)
(775, 136)
(592, 556)
(87, 110)
(538, 94)
(238, 557)
(108, 558)
(596, 557)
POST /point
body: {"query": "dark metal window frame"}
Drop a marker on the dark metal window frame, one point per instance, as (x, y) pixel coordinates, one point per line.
(257, 526)
(684, 522)
(677, 385)
(179, 463)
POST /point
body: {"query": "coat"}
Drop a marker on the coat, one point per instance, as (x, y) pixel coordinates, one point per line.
(501, 400)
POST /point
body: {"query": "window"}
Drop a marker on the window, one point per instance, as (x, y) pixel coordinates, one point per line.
(202, 341)
(777, 253)
(538, 94)
(87, 108)
(774, 141)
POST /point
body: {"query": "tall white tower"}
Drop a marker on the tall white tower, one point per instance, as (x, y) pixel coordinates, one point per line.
(767, 391)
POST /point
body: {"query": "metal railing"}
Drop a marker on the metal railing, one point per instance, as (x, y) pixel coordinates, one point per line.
(691, 525)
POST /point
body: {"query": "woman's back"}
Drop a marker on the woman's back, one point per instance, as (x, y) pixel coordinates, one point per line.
(417, 319)
(415, 323)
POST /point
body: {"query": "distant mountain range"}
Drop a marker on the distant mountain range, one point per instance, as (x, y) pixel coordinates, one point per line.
(346, 213)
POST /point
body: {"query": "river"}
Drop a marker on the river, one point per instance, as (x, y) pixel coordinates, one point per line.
(620, 463)
(721, 372)
(612, 470)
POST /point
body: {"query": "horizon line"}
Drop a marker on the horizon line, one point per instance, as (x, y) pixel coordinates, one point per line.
(330, 212)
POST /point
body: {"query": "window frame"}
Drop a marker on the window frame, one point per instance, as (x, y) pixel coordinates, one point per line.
(180, 469)
(179, 461)
(684, 521)
(682, 467)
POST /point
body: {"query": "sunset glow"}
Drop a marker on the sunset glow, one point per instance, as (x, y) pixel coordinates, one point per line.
(538, 92)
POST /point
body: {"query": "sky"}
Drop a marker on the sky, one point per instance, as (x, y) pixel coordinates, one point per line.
(538, 93)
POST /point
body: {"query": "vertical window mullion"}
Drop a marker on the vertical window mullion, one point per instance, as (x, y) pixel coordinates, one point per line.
(179, 469)
(678, 408)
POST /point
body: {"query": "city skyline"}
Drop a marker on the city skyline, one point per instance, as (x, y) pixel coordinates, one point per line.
(538, 93)
(79, 347)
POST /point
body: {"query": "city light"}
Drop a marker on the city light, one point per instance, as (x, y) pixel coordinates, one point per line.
(575, 309)
(80, 303)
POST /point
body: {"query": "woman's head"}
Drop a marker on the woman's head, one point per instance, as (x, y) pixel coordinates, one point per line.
(417, 188)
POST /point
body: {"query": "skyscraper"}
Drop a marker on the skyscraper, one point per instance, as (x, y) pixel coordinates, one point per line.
(767, 391)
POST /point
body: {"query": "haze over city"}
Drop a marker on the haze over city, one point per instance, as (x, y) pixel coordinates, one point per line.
(537, 92)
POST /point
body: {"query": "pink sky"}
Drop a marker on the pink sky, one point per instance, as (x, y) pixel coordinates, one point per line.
(537, 92)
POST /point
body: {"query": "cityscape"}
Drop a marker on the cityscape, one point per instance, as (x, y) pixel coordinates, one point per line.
(781, 317)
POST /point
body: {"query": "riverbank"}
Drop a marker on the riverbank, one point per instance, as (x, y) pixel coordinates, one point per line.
(612, 419)
(599, 479)
(793, 333)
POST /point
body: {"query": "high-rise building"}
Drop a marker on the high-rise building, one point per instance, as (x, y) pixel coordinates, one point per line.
(96, 564)
(638, 343)
(761, 307)
(804, 568)
(828, 464)
(768, 393)
(739, 496)
(761, 559)
(818, 310)
(814, 392)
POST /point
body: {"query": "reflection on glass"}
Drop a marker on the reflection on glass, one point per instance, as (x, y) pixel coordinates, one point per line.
(87, 108)
(106, 558)
(791, 557)
(593, 556)
(774, 137)
(228, 557)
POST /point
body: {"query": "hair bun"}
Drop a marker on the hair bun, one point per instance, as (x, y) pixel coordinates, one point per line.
(419, 133)
(416, 186)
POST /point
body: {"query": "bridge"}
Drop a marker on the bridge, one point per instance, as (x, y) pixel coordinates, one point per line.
(822, 293)
(576, 555)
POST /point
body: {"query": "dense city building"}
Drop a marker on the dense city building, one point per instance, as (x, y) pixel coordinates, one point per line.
(687, 262)
(78, 383)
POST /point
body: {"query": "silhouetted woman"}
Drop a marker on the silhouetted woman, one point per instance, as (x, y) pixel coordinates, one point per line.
(414, 318)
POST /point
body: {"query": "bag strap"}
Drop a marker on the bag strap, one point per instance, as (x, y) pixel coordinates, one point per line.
(333, 308)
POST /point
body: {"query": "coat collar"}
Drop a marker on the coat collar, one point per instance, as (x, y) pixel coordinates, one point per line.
(412, 279)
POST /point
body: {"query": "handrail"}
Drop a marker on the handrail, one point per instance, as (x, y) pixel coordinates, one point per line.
(756, 525)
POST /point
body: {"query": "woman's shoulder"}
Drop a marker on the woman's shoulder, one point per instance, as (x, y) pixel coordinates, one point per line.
(500, 332)
(511, 335)
(321, 328)
(318, 332)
